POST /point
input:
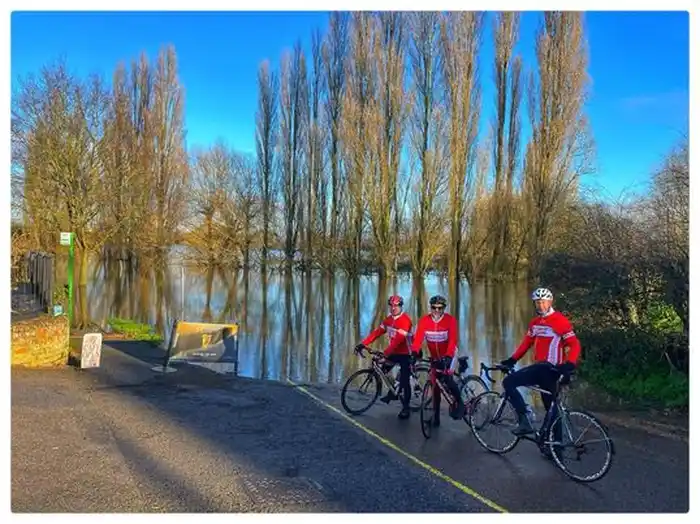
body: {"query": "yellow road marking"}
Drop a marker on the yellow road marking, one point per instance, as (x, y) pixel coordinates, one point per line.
(465, 489)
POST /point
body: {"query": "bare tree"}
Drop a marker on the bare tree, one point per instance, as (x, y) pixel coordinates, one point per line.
(141, 101)
(335, 52)
(169, 172)
(245, 202)
(559, 150)
(266, 142)
(476, 252)
(460, 34)
(121, 163)
(293, 106)
(427, 140)
(358, 131)
(670, 234)
(506, 127)
(210, 190)
(314, 182)
(386, 114)
(58, 122)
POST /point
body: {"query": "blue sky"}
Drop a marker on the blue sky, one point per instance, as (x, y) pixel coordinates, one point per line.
(638, 65)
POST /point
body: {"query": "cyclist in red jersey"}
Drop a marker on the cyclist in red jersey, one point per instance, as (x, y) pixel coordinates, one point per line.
(439, 329)
(397, 325)
(549, 332)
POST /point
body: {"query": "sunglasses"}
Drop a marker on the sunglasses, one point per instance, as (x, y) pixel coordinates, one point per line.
(437, 308)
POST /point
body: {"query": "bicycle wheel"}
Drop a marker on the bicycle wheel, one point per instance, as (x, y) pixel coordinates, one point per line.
(492, 414)
(365, 395)
(471, 387)
(421, 376)
(427, 410)
(567, 446)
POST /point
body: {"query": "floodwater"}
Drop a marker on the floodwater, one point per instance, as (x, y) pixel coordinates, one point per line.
(302, 326)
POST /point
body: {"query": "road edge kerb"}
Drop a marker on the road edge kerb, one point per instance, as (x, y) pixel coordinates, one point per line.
(656, 428)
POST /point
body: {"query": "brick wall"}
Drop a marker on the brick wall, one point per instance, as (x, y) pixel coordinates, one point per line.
(40, 341)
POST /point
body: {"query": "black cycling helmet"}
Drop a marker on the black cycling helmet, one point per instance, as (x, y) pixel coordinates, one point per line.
(438, 300)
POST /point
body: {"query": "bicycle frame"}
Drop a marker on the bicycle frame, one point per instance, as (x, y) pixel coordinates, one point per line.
(557, 406)
(384, 377)
(442, 389)
(390, 384)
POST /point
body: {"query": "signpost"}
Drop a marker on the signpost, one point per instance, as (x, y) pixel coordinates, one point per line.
(67, 240)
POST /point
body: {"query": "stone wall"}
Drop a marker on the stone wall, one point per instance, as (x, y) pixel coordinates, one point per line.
(40, 342)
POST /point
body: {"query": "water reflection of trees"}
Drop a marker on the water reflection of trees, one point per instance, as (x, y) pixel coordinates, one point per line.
(301, 326)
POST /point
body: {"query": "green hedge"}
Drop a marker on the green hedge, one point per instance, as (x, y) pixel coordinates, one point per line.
(636, 365)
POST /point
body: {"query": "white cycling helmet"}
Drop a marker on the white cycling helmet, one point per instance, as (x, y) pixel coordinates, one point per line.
(542, 293)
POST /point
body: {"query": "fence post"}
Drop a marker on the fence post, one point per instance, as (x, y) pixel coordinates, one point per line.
(35, 271)
(47, 280)
(30, 273)
(40, 279)
(52, 273)
(44, 277)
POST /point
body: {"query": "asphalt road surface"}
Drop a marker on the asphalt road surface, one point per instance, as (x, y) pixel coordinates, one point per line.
(649, 473)
(123, 438)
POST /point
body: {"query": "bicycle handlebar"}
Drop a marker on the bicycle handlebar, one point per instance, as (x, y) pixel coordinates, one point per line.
(372, 352)
(506, 370)
(381, 355)
(498, 367)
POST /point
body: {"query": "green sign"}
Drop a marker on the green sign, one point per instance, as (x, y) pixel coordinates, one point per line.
(67, 240)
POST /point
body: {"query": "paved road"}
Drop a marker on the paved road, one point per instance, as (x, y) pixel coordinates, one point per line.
(124, 439)
(650, 473)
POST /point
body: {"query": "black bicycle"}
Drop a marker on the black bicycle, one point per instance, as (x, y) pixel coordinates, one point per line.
(470, 386)
(555, 437)
(362, 388)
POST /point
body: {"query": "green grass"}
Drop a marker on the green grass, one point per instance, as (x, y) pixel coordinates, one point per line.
(658, 388)
(134, 330)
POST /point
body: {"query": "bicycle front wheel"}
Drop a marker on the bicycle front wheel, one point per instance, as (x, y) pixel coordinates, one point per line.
(492, 419)
(471, 387)
(427, 410)
(360, 391)
(575, 434)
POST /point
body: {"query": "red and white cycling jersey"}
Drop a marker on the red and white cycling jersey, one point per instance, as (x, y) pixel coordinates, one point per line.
(550, 334)
(393, 326)
(440, 336)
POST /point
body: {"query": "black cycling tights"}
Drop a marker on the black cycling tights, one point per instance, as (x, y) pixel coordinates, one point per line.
(404, 375)
(447, 380)
(540, 374)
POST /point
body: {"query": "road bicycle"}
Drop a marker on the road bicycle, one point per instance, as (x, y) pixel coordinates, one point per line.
(555, 436)
(373, 379)
(468, 386)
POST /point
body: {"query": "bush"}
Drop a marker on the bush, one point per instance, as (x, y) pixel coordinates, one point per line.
(134, 330)
(662, 318)
(637, 364)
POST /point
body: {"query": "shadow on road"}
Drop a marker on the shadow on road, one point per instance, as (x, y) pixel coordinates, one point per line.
(194, 440)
